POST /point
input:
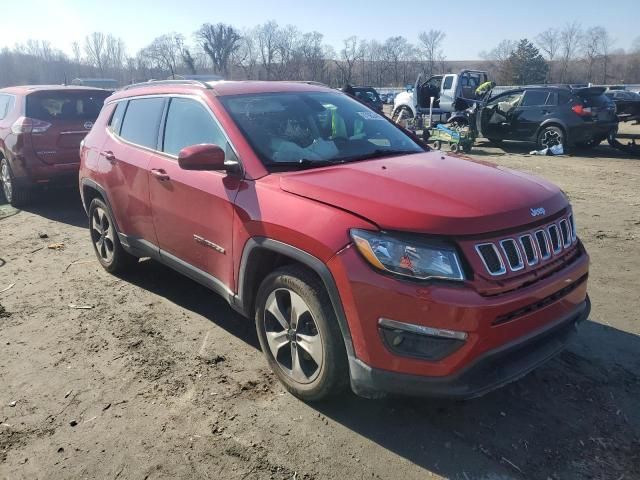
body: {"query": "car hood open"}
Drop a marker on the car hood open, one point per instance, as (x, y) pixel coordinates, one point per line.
(430, 193)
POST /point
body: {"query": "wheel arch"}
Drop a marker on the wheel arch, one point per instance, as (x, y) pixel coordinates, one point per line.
(90, 190)
(553, 122)
(261, 256)
(400, 106)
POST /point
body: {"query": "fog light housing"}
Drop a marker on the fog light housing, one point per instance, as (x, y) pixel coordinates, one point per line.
(417, 341)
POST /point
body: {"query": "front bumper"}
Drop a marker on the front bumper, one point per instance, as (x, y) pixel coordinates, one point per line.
(491, 322)
(488, 372)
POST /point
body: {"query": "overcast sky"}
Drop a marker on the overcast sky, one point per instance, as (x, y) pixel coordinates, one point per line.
(470, 26)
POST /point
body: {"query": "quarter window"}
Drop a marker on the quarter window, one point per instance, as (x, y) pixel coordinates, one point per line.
(448, 81)
(142, 121)
(553, 99)
(116, 118)
(6, 104)
(190, 123)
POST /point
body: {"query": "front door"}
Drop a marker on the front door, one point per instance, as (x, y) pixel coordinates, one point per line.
(497, 115)
(193, 210)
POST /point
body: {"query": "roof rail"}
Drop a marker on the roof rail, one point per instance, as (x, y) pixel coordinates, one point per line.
(168, 82)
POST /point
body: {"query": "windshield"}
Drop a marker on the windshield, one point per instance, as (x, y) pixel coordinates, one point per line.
(314, 128)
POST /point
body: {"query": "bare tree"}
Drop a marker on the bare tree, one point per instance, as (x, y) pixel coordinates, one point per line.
(606, 45)
(395, 49)
(549, 42)
(500, 60)
(267, 36)
(590, 42)
(570, 40)
(246, 55)
(94, 48)
(431, 43)
(165, 52)
(349, 55)
(312, 55)
(115, 54)
(219, 41)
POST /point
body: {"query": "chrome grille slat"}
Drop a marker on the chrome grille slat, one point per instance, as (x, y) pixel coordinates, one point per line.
(554, 238)
(572, 225)
(501, 269)
(509, 248)
(528, 249)
(542, 240)
(566, 234)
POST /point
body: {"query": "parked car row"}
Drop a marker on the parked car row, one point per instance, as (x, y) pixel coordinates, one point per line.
(330, 226)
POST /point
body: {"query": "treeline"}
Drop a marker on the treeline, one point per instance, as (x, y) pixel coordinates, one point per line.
(273, 52)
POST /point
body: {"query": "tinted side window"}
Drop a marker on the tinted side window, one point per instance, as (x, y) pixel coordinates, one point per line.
(448, 81)
(142, 120)
(116, 118)
(189, 123)
(553, 99)
(534, 98)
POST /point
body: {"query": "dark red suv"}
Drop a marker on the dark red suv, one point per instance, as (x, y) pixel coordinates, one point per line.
(364, 257)
(41, 128)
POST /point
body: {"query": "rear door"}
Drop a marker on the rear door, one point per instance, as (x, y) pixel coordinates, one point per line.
(193, 210)
(530, 113)
(131, 137)
(62, 118)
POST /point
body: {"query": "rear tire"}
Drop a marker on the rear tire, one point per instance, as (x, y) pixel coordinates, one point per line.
(299, 334)
(550, 136)
(104, 237)
(16, 196)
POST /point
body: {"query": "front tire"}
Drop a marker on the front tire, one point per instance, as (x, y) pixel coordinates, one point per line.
(299, 334)
(16, 196)
(104, 237)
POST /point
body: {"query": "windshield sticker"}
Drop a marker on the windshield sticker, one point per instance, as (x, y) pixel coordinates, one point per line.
(370, 115)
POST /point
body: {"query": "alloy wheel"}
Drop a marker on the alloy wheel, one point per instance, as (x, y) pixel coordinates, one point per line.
(293, 336)
(5, 176)
(102, 233)
(551, 138)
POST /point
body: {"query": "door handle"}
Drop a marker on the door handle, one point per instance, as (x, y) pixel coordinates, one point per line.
(160, 174)
(108, 154)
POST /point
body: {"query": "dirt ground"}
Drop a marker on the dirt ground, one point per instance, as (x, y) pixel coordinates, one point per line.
(158, 378)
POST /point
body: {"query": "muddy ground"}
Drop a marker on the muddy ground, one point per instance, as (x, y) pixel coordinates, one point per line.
(160, 379)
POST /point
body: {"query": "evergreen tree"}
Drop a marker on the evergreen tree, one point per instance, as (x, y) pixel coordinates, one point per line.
(526, 64)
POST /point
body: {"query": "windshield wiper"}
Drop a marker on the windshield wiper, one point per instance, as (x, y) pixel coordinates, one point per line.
(378, 153)
(302, 163)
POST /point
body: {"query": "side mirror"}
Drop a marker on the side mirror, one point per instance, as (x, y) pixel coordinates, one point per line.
(202, 157)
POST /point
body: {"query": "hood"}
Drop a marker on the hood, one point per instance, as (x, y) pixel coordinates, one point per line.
(431, 193)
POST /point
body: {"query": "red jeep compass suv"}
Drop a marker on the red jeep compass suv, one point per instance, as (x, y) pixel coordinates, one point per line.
(41, 128)
(364, 257)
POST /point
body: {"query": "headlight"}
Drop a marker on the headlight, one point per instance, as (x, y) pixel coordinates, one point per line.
(408, 258)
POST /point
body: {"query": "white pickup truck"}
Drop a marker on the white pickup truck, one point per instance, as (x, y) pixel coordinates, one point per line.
(451, 92)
